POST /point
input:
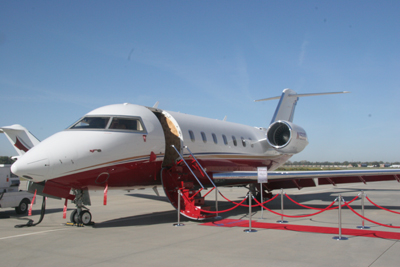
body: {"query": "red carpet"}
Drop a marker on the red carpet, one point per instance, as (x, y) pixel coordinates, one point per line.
(304, 228)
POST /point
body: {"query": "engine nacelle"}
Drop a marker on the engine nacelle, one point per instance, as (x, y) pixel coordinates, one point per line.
(286, 137)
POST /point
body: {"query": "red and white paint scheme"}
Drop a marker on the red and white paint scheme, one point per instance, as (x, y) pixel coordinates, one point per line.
(131, 146)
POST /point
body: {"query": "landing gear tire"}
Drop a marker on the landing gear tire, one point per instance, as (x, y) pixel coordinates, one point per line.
(74, 216)
(85, 217)
(22, 207)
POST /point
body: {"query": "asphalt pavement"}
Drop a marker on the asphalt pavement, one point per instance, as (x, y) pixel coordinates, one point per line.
(136, 229)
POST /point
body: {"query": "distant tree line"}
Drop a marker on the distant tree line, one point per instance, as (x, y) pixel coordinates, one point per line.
(337, 163)
(6, 160)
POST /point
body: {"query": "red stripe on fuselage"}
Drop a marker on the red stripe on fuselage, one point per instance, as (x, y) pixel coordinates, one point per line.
(123, 175)
(145, 173)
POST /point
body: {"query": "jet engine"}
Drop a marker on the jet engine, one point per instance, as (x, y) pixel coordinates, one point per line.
(287, 137)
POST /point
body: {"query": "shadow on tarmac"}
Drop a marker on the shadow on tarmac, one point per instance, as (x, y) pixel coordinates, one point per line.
(143, 219)
(151, 197)
(171, 216)
(12, 214)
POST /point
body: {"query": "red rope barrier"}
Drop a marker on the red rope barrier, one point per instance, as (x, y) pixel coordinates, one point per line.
(304, 206)
(209, 192)
(381, 224)
(308, 207)
(244, 205)
(298, 216)
(351, 201)
(208, 211)
(380, 206)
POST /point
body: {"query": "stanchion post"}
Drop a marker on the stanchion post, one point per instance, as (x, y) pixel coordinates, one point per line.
(281, 220)
(250, 230)
(262, 200)
(362, 226)
(179, 210)
(262, 177)
(340, 237)
(217, 217)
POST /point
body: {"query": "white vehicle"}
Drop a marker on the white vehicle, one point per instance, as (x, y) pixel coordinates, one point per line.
(10, 196)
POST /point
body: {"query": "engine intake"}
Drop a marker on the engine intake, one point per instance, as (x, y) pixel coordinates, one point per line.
(287, 137)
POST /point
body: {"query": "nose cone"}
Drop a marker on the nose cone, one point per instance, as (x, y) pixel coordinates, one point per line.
(34, 165)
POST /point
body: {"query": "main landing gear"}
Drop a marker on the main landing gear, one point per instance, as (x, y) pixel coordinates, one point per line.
(81, 215)
(255, 191)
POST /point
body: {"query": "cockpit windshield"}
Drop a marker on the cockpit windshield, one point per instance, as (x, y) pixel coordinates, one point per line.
(91, 123)
(126, 124)
(111, 123)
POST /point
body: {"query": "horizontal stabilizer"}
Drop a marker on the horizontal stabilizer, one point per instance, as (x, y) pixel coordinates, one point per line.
(287, 103)
(301, 95)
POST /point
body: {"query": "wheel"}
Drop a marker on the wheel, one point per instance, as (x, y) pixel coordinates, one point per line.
(74, 216)
(85, 217)
(23, 206)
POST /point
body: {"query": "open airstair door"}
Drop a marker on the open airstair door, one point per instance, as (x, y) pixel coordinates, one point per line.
(175, 175)
(173, 136)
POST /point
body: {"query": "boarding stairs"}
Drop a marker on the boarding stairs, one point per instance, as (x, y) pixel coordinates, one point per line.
(187, 177)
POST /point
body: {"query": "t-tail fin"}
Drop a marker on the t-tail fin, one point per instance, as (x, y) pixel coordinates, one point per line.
(20, 138)
(287, 103)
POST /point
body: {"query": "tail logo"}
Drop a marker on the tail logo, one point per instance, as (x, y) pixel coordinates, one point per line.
(21, 145)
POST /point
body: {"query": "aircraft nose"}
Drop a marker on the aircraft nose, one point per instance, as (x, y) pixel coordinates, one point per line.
(32, 166)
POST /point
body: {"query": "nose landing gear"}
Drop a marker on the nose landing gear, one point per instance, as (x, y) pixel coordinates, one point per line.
(81, 215)
(84, 217)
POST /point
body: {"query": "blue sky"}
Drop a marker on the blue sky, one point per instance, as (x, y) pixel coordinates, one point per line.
(61, 59)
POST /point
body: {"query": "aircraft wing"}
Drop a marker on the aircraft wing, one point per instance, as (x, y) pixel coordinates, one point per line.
(300, 179)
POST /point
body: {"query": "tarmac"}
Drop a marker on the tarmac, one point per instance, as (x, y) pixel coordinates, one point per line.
(136, 229)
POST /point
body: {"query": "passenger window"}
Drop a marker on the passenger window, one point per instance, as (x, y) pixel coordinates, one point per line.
(126, 124)
(225, 140)
(203, 135)
(91, 123)
(191, 134)
(215, 138)
(234, 140)
(243, 142)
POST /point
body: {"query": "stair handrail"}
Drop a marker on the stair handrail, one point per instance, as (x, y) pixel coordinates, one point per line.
(211, 181)
(180, 155)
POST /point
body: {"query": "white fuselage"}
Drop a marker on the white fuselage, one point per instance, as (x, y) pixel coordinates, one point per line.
(84, 156)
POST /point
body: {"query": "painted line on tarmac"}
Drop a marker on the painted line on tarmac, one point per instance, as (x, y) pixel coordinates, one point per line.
(42, 232)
